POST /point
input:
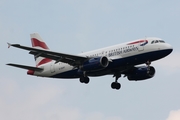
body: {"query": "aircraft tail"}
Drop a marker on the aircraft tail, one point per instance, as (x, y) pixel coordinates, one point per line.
(38, 42)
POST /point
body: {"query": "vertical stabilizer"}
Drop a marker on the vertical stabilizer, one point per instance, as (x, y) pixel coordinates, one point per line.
(38, 42)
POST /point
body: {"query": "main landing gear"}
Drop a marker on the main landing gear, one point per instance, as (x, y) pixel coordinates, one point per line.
(116, 85)
(84, 80)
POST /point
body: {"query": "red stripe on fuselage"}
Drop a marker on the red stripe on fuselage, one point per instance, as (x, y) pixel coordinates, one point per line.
(45, 60)
(136, 42)
(37, 43)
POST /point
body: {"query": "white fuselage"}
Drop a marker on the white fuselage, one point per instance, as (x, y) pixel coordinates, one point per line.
(120, 51)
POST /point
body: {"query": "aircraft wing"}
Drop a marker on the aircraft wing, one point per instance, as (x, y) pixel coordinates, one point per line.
(73, 60)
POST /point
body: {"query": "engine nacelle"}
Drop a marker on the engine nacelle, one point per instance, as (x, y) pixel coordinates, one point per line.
(141, 73)
(95, 64)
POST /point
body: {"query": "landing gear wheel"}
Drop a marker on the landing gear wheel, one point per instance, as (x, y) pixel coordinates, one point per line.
(113, 85)
(116, 85)
(84, 80)
(81, 79)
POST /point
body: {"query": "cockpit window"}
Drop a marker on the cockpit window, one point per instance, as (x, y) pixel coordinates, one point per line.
(161, 41)
(156, 41)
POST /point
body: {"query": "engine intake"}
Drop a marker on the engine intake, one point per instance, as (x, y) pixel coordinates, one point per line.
(141, 73)
(95, 64)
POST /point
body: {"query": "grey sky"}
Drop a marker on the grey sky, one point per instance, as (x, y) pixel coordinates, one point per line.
(73, 26)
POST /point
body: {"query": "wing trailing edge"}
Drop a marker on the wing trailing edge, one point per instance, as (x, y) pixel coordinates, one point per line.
(73, 60)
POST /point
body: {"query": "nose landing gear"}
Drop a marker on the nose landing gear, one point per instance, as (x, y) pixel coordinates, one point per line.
(148, 63)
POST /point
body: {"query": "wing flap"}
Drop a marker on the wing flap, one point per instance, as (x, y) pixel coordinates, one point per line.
(25, 67)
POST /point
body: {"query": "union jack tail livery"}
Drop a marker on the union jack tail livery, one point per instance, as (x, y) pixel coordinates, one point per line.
(37, 42)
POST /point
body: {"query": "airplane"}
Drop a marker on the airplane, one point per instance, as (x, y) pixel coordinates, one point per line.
(122, 59)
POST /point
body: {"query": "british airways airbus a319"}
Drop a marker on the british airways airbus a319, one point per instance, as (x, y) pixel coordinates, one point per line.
(117, 60)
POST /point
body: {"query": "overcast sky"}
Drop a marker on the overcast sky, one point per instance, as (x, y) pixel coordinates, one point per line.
(75, 26)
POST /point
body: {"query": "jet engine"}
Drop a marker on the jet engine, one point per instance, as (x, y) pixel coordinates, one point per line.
(141, 73)
(95, 64)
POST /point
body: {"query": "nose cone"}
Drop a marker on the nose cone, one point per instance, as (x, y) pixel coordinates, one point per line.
(168, 46)
(168, 49)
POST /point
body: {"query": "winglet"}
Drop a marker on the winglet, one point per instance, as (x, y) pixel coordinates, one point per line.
(9, 45)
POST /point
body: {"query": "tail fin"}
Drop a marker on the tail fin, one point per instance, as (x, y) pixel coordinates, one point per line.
(38, 42)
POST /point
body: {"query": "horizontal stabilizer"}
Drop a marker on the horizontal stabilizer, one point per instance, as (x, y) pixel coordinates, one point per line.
(25, 67)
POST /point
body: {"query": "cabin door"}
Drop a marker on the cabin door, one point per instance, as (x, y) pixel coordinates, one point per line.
(140, 46)
(52, 67)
